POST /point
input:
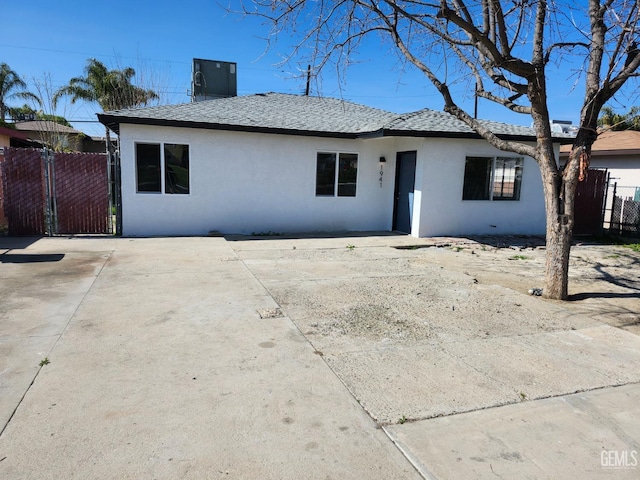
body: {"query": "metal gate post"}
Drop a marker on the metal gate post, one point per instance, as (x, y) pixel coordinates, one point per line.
(604, 203)
(50, 207)
(110, 189)
(118, 193)
(613, 209)
(113, 178)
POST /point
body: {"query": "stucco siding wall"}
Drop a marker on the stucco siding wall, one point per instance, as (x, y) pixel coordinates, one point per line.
(254, 183)
(625, 170)
(439, 185)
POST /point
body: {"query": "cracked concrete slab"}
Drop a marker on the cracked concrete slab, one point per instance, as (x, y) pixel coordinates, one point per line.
(431, 332)
(586, 435)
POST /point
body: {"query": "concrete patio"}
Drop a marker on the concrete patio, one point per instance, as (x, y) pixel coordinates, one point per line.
(317, 357)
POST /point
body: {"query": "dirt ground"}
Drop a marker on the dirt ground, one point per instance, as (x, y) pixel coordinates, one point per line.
(456, 280)
(604, 279)
(392, 313)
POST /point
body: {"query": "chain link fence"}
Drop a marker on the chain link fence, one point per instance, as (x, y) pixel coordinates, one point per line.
(622, 216)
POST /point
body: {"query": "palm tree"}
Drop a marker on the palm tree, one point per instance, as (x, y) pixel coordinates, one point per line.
(12, 86)
(111, 89)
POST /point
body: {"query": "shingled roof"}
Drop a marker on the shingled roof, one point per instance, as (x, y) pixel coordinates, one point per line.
(610, 143)
(434, 123)
(304, 115)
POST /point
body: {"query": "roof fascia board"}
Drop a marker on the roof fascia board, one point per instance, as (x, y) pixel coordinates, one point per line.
(609, 153)
(462, 135)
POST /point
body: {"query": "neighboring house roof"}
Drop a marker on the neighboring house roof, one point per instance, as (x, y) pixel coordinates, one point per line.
(305, 115)
(10, 132)
(626, 142)
(45, 126)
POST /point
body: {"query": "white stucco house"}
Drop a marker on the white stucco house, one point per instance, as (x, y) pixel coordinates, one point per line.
(284, 163)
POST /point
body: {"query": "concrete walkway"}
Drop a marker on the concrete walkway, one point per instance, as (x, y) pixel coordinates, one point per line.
(171, 358)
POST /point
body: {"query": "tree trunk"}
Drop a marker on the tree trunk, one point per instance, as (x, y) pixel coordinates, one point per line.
(556, 274)
(558, 232)
(557, 198)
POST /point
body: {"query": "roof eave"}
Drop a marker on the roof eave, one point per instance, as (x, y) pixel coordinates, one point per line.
(459, 135)
(609, 153)
(10, 132)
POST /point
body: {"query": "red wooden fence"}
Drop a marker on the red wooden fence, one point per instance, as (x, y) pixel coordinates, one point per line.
(589, 203)
(23, 192)
(80, 195)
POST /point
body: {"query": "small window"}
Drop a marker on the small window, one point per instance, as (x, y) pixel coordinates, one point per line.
(491, 178)
(148, 167)
(155, 162)
(336, 173)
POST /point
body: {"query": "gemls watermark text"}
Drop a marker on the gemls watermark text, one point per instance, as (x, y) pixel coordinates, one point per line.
(619, 458)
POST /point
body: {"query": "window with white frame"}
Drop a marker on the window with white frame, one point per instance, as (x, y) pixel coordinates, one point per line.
(162, 168)
(336, 174)
(492, 178)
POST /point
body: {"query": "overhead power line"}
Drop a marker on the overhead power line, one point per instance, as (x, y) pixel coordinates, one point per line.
(115, 56)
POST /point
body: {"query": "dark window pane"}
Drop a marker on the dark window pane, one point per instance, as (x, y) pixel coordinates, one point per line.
(477, 178)
(507, 179)
(326, 174)
(347, 174)
(148, 167)
(176, 168)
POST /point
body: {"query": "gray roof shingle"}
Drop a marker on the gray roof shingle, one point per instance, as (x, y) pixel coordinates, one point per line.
(441, 122)
(269, 111)
(304, 115)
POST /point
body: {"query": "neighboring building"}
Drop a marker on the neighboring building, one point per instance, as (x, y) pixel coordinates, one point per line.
(12, 138)
(60, 137)
(618, 152)
(287, 163)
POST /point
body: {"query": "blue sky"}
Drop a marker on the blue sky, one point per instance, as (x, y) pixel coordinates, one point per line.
(159, 40)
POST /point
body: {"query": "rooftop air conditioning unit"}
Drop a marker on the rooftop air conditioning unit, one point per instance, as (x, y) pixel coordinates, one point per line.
(213, 79)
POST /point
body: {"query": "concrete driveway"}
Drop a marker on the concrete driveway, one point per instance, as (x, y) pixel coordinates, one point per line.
(299, 358)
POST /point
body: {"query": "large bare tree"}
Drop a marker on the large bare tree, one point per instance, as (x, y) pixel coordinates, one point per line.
(509, 50)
